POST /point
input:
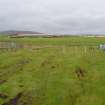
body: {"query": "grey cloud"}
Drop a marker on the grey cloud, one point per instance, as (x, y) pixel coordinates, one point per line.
(53, 16)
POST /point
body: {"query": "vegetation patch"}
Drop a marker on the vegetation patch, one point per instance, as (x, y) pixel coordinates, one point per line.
(53, 71)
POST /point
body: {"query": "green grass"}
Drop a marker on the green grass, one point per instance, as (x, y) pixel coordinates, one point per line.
(47, 76)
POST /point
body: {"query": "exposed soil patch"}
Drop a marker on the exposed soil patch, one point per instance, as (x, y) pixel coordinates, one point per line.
(80, 73)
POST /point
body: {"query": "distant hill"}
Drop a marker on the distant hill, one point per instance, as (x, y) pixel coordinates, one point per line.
(12, 32)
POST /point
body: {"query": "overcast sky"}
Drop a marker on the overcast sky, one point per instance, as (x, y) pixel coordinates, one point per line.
(53, 16)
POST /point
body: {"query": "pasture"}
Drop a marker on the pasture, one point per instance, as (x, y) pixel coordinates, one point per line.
(52, 71)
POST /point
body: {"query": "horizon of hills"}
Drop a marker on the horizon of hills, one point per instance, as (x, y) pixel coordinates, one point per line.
(12, 32)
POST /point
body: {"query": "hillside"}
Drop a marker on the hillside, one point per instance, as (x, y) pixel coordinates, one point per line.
(12, 32)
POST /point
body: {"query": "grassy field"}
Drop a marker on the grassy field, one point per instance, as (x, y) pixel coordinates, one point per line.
(53, 71)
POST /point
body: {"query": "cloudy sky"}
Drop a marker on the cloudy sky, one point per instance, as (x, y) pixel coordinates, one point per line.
(53, 16)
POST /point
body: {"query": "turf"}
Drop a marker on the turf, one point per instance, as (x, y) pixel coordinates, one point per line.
(69, 72)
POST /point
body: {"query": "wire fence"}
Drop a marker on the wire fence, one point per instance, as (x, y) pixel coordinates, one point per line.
(10, 45)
